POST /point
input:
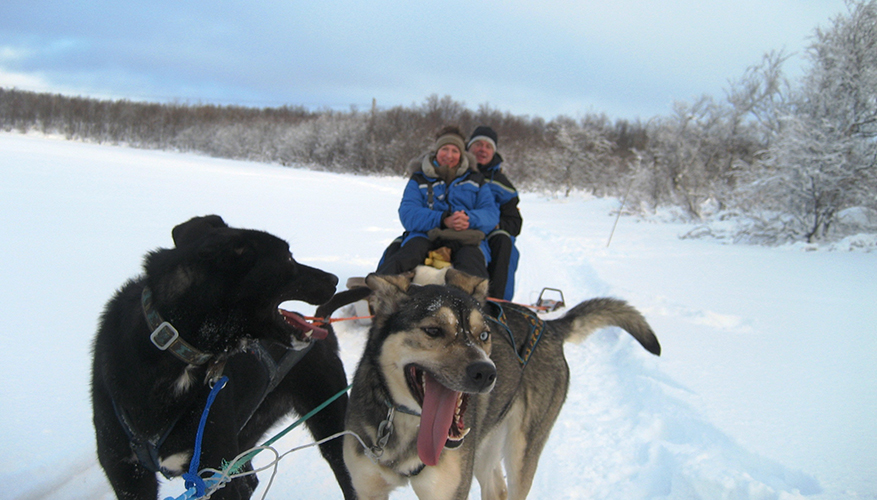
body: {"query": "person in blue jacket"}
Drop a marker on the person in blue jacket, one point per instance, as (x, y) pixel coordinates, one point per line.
(501, 240)
(446, 203)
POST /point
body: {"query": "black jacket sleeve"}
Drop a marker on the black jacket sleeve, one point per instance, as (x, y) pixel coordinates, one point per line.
(510, 219)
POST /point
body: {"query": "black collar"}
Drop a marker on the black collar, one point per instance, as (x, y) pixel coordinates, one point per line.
(166, 338)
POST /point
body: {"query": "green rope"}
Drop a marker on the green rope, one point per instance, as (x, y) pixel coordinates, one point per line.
(235, 468)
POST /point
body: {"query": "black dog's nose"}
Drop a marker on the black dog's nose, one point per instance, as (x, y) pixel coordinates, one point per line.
(481, 375)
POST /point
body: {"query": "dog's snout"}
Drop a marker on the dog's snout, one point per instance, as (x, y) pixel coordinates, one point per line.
(482, 375)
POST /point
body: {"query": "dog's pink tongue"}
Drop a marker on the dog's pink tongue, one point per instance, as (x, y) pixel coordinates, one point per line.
(436, 417)
(299, 322)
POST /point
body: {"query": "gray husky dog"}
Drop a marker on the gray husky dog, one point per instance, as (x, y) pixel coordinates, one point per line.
(451, 385)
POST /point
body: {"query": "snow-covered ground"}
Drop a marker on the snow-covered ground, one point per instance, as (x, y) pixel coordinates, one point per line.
(766, 388)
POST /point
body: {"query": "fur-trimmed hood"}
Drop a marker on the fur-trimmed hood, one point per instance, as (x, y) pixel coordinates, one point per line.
(425, 163)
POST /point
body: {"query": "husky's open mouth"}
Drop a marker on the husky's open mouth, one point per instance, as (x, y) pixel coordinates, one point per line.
(441, 418)
(303, 330)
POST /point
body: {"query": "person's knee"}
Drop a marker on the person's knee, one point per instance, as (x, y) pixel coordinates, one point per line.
(412, 253)
(471, 259)
(500, 242)
(417, 245)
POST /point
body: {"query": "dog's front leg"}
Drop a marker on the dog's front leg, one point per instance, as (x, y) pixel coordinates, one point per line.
(240, 488)
(129, 479)
(488, 464)
(220, 445)
(126, 475)
(370, 480)
(450, 479)
(315, 379)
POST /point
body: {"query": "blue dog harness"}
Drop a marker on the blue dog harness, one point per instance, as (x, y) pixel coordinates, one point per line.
(537, 328)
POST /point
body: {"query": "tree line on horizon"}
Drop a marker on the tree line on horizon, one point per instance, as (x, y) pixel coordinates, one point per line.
(790, 161)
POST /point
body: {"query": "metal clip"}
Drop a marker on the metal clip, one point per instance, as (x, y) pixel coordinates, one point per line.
(385, 429)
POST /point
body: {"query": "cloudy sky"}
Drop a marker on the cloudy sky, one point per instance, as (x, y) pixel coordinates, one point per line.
(626, 58)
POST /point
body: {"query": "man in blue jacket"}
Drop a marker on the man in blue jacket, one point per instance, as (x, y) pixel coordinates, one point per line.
(446, 203)
(501, 240)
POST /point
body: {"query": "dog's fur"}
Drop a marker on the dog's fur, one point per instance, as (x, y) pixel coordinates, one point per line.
(221, 288)
(441, 334)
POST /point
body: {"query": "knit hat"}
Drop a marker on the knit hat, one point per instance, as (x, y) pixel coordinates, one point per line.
(451, 137)
(483, 133)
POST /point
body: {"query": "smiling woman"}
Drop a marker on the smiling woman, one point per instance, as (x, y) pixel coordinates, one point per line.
(445, 204)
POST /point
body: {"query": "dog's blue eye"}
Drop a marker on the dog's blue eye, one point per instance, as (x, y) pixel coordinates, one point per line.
(432, 331)
(484, 335)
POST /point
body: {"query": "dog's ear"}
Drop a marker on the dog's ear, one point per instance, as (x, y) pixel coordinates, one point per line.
(387, 292)
(473, 285)
(195, 228)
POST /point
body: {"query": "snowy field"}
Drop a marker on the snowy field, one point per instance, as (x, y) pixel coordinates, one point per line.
(766, 389)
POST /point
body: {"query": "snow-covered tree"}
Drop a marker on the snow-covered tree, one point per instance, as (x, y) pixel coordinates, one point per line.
(580, 156)
(823, 155)
(686, 161)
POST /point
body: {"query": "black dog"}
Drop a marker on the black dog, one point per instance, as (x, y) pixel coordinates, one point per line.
(218, 291)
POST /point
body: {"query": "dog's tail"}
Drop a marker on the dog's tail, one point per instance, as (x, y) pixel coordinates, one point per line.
(589, 316)
(342, 299)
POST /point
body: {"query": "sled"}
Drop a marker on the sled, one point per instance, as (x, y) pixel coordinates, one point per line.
(545, 304)
(550, 300)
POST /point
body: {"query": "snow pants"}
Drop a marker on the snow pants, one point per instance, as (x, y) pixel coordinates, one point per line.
(501, 269)
(503, 264)
(467, 258)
